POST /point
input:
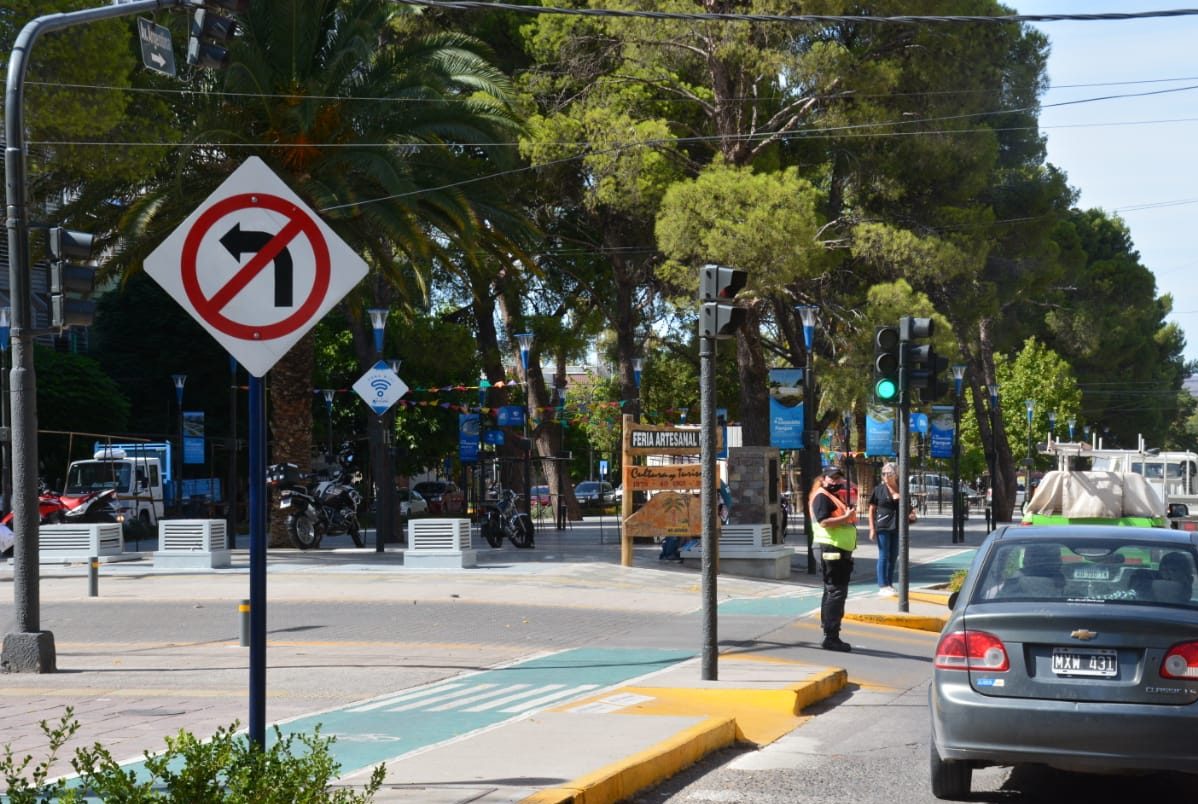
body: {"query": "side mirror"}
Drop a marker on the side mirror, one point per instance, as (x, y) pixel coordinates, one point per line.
(952, 599)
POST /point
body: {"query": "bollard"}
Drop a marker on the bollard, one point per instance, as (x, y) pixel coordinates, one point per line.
(93, 577)
(244, 610)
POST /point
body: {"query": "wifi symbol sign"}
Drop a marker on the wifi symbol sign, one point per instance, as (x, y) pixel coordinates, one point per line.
(380, 386)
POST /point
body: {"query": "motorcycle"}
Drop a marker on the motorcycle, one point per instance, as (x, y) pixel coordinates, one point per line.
(317, 508)
(504, 518)
(53, 508)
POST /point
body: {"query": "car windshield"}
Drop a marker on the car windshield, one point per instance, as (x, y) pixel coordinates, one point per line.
(97, 475)
(430, 488)
(586, 488)
(1109, 571)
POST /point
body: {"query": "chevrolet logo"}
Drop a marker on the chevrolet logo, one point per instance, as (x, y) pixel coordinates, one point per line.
(1083, 634)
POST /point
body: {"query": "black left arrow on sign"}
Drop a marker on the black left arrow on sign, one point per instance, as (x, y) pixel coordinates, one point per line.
(238, 242)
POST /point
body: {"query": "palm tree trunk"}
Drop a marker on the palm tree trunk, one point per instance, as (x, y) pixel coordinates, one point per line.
(291, 419)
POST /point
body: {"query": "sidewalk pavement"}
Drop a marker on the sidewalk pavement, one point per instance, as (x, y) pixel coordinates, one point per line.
(130, 690)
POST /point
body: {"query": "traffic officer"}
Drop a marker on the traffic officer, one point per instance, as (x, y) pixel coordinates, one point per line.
(834, 527)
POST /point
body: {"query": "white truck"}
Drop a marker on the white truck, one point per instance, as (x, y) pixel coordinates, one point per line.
(1173, 475)
(135, 471)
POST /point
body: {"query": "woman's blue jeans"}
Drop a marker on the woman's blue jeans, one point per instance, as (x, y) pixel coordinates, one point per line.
(887, 556)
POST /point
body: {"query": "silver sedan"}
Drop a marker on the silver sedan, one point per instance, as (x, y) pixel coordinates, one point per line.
(1074, 647)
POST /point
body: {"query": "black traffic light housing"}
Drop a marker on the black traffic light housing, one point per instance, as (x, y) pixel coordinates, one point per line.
(717, 318)
(210, 31)
(886, 366)
(924, 369)
(71, 283)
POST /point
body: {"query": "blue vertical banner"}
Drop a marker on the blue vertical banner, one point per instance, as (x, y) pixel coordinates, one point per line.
(468, 433)
(942, 431)
(721, 421)
(511, 416)
(879, 431)
(193, 436)
(786, 408)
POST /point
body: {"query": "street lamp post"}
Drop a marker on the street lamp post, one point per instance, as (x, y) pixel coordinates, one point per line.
(383, 485)
(808, 468)
(958, 507)
(1030, 404)
(1052, 425)
(991, 520)
(5, 475)
(328, 394)
(179, 380)
(561, 462)
(637, 365)
(1072, 424)
(525, 340)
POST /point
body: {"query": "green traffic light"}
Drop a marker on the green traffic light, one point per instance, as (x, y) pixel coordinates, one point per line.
(886, 390)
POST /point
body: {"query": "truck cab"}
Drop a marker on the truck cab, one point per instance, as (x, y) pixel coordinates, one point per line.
(138, 481)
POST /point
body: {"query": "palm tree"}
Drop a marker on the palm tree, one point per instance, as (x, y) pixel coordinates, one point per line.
(377, 120)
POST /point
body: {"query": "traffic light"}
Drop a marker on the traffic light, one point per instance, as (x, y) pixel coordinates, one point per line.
(68, 277)
(210, 31)
(938, 385)
(920, 362)
(886, 365)
(717, 318)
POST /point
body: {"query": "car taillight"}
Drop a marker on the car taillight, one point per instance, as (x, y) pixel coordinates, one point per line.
(1181, 661)
(971, 650)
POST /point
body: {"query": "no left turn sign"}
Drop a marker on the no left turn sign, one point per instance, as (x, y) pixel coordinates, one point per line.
(255, 266)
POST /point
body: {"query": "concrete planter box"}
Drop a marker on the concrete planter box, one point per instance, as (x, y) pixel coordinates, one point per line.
(191, 544)
(439, 544)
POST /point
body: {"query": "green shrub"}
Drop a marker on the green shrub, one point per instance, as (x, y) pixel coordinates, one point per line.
(957, 580)
(227, 768)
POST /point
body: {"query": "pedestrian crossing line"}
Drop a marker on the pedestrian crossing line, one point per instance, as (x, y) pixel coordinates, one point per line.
(544, 699)
(407, 696)
(440, 699)
(482, 696)
(514, 697)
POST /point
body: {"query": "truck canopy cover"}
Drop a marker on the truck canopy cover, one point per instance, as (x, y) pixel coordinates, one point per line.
(1080, 495)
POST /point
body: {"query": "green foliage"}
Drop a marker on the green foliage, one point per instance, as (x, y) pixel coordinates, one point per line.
(293, 769)
(957, 580)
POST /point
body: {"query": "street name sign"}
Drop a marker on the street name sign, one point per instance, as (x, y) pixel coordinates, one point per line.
(255, 266)
(380, 388)
(156, 50)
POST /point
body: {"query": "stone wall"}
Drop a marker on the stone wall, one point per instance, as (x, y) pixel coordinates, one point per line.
(754, 482)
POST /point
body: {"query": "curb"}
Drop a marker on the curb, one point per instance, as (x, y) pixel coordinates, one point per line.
(917, 622)
(619, 780)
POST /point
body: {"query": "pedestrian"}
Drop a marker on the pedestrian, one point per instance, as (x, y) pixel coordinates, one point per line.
(884, 526)
(834, 529)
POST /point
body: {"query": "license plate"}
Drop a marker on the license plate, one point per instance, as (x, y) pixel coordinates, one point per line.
(1097, 662)
(285, 502)
(1092, 573)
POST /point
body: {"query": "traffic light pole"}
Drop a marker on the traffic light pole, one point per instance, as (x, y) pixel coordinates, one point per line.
(29, 649)
(904, 422)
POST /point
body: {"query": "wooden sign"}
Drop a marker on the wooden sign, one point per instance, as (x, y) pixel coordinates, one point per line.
(669, 513)
(679, 476)
(646, 439)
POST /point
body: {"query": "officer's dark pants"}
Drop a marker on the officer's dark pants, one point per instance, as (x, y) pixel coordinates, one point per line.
(837, 568)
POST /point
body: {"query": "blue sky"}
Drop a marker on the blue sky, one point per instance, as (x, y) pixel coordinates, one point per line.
(1133, 155)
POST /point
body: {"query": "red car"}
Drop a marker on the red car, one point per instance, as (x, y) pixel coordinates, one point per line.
(443, 496)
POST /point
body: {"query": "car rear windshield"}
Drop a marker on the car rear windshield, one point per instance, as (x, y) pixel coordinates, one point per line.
(1091, 570)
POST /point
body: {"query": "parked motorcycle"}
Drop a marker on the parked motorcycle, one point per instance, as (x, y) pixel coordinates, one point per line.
(317, 508)
(504, 518)
(53, 508)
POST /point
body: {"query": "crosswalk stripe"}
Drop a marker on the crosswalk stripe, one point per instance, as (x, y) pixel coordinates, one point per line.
(524, 706)
(448, 696)
(482, 696)
(514, 697)
(407, 696)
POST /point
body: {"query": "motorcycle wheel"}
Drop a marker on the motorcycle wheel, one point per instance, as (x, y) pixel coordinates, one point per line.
(303, 532)
(492, 533)
(355, 531)
(521, 534)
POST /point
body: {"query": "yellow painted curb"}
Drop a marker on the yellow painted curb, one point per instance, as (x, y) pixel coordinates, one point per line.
(621, 779)
(929, 596)
(917, 622)
(746, 715)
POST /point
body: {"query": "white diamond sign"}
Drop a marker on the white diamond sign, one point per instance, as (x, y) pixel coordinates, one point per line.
(380, 388)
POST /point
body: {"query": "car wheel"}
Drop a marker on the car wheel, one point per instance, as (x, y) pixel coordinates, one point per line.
(950, 779)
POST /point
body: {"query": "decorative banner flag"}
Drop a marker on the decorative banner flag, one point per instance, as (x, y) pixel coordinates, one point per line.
(493, 436)
(193, 436)
(786, 408)
(918, 423)
(942, 431)
(879, 431)
(468, 428)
